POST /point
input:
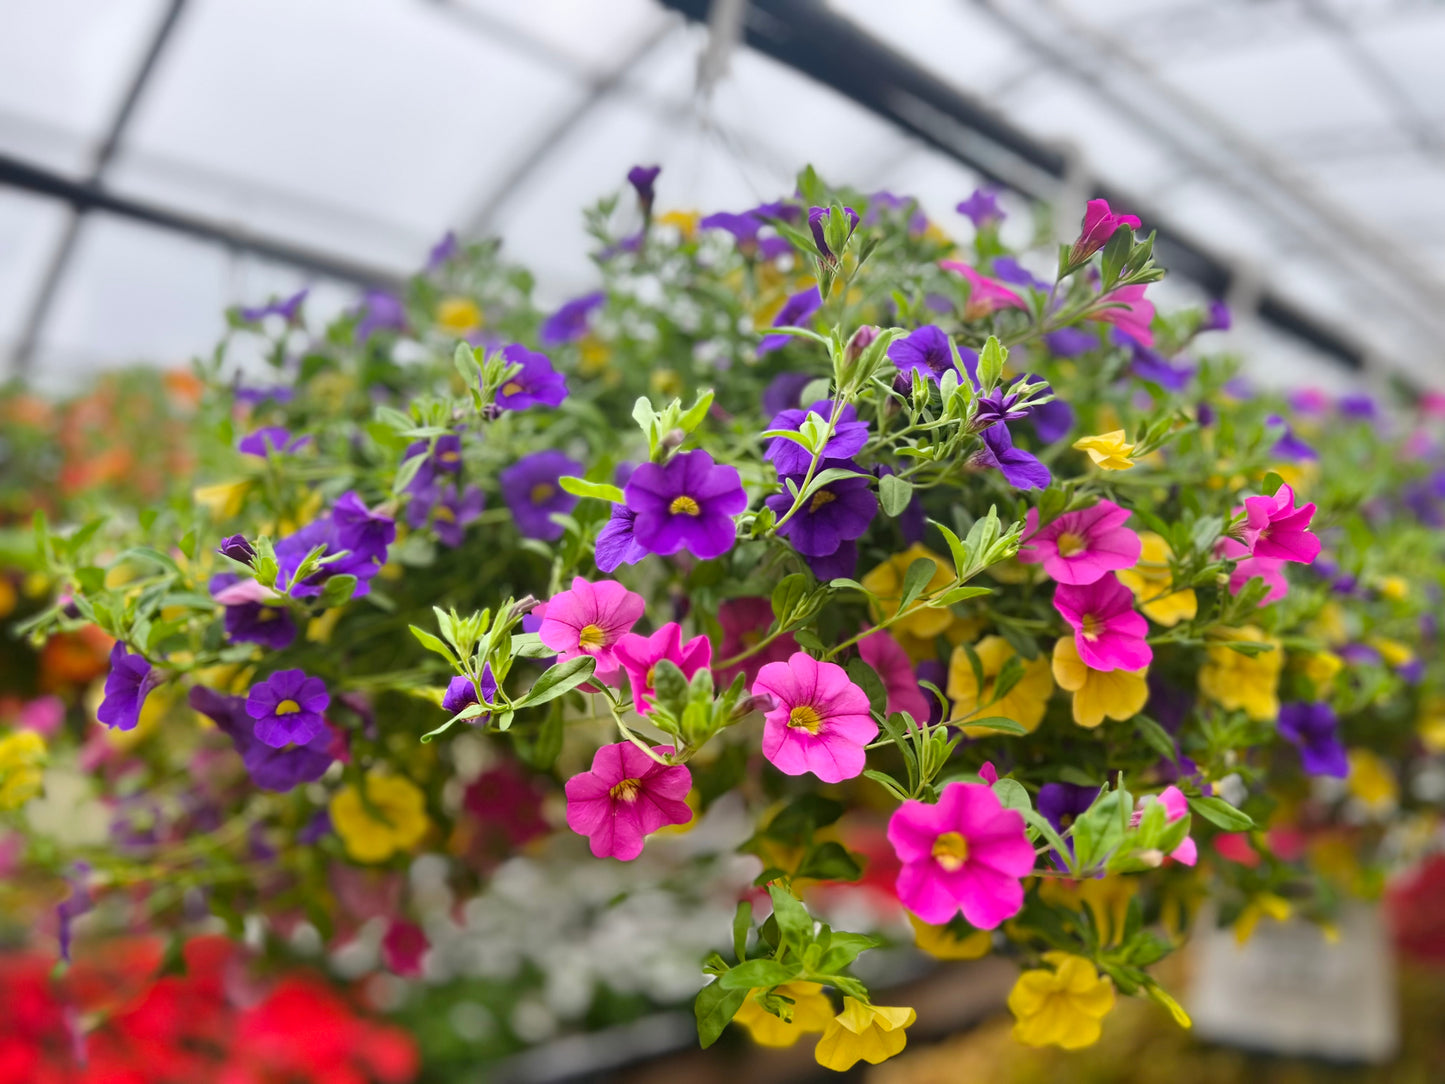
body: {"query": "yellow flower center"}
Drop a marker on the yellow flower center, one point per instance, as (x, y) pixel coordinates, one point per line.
(591, 636)
(626, 791)
(445, 514)
(950, 851)
(511, 387)
(651, 670)
(543, 491)
(821, 498)
(1070, 544)
(804, 717)
(449, 457)
(288, 707)
(684, 506)
(1092, 627)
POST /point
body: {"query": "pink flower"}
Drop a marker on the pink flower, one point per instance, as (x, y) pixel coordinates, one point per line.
(639, 654)
(1268, 569)
(882, 652)
(1176, 806)
(967, 853)
(1107, 632)
(820, 722)
(1129, 312)
(1274, 527)
(589, 620)
(44, 715)
(626, 796)
(985, 295)
(988, 773)
(402, 948)
(1099, 225)
(745, 622)
(1080, 547)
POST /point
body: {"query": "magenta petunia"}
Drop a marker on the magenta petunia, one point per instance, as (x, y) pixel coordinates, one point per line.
(744, 623)
(639, 654)
(820, 722)
(1275, 528)
(1108, 633)
(1175, 807)
(985, 295)
(967, 854)
(288, 708)
(589, 620)
(402, 948)
(1099, 225)
(1080, 547)
(1129, 312)
(886, 656)
(1268, 569)
(624, 798)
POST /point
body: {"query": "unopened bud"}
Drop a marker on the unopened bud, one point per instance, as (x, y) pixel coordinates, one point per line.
(673, 438)
(862, 339)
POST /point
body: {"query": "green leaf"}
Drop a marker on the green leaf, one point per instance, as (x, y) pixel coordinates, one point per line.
(894, 493)
(558, 680)
(789, 592)
(433, 644)
(830, 861)
(827, 477)
(867, 679)
(843, 949)
(338, 590)
(549, 740)
(915, 580)
(1157, 737)
(1219, 812)
(715, 1007)
(581, 487)
(697, 412)
(1041, 824)
(959, 594)
(742, 922)
(887, 782)
(759, 973)
(794, 922)
(1012, 795)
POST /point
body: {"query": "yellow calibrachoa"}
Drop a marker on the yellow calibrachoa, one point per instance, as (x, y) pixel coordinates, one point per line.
(1395, 588)
(224, 499)
(1109, 451)
(369, 839)
(1150, 579)
(812, 1011)
(1107, 898)
(1431, 724)
(1372, 781)
(886, 582)
(1119, 694)
(1264, 905)
(1329, 624)
(1242, 682)
(684, 222)
(942, 943)
(1024, 703)
(22, 758)
(872, 1033)
(1063, 1007)
(918, 648)
(458, 315)
(1321, 667)
(1393, 652)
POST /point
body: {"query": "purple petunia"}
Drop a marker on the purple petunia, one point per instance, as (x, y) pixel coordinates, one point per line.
(461, 693)
(350, 526)
(617, 541)
(531, 489)
(288, 708)
(1151, 366)
(257, 396)
(687, 504)
(1061, 804)
(785, 392)
(1052, 420)
(237, 548)
(442, 457)
(270, 440)
(129, 682)
(833, 514)
(1020, 469)
(643, 180)
(981, 208)
(536, 383)
(1070, 342)
(923, 353)
(889, 201)
(271, 768)
(841, 564)
(996, 406)
(790, 457)
(248, 619)
(454, 511)
(1314, 729)
(1290, 446)
(288, 308)
(1217, 317)
(1007, 269)
(795, 313)
(817, 223)
(444, 251)
(1358, 406)
(572, 321)
(380, 311)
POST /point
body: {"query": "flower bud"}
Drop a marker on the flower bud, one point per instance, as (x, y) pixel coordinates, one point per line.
(862, 339)
(237, 549)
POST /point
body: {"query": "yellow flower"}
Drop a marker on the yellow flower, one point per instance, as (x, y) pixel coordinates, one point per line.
(811, 1011)
(918, 648)
(1372, 781)
(1242, 682)
(1321, 667)
(684, 222)
(22, 756)
(594, 357)
(1393, 652)
(1107, 898)
(8, 597)
(886, 582)
(1329, 624)
(458, 315)
(873, 1033)
(1109, 451)
(224, 499)
(1151, 578)
(1431, 724)
(395, 822)
(665, 382)
(1119, 694)
(1024, 703)
(1395, 588)
(942, 943)
(1264, 905)
(1063, 1007)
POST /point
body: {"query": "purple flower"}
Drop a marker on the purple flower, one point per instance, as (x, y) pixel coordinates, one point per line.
(271, 768)
(1205, 415)
(535, 384)
(287, 308)
(350, 526)
(443, 457)
(1070, 342)
(745, 228)
(1052, 420)
(73, 906)
(922, 353)
(1008, 269)
(789, 457)
(617, 543)
(1153, 367)
(461, 693)
(316, 829)
(888, 201)
(1289, 446)
(1020, 469)
(531, 490)
(833, 514)
(571, 321)
(366, 533)
(981, 208)
(288, 708)
(1061, 804)
(444, 251)
(996, 407)
(1357, 654)
(1360, 407)
(380, 311)
(643, 179)
(250, 621)
(841, 564)
(1315, 730)
(785, 392)
(126, 687)
(257, 396)
(1217, 317)
(817, 222)
(686, 504)
(273, 438)
(237, 548)
(794, 313)
(936, 674)
(454, 511)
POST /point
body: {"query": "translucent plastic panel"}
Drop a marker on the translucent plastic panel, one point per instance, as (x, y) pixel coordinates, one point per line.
(382, 109)
(64, 66)
(30, 228)
(951, 39)
(1407, 198)
(594, 35)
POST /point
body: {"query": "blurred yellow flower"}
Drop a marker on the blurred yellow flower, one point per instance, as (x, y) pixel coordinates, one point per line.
(665, 382)
(458, 315)
(1118, 694)
(1372, 781)
(1264, 905)
(396, 821)
(1024, 703)
(22, 760)
(886, 582)
(1241, 682)
(224, 499)
(1329, 624)
(942, 943)
(1109, 451)
(1394, 652)
(684, 222)
(1431, 724)
(1321, 667)
(1064, 1006)
(872, 1033)
(811, 1011)
(1395, 588)
(1150, 579)
(594, 357)
(959, 630)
